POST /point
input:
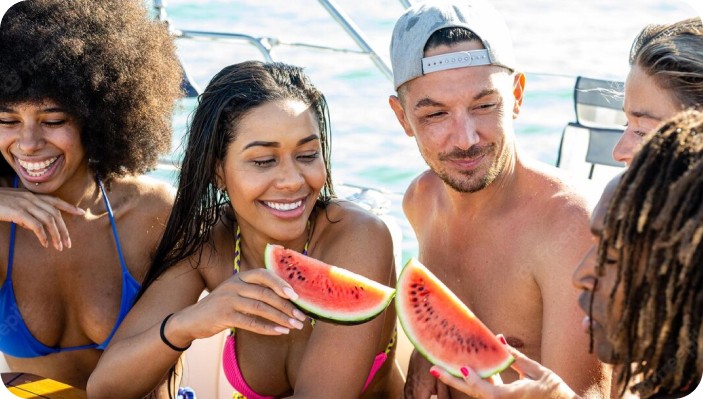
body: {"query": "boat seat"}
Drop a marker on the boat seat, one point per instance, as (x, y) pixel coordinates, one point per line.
(188, 85)
(599, 122)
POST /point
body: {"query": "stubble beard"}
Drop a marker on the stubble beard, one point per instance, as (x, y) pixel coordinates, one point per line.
(471, 181)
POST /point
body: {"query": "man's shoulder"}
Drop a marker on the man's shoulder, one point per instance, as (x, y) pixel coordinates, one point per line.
(558, 200)
(426, 184)
(422, 192)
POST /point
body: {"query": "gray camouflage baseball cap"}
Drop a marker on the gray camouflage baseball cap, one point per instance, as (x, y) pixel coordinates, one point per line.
(421, 20)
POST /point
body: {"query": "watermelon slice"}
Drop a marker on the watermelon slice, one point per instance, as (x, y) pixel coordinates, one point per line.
(328, 292)
(442, 328)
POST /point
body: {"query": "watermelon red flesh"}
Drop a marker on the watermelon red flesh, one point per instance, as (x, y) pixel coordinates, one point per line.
(328, 292)
(442, 328)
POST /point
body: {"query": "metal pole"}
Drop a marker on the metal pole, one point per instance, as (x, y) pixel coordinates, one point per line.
(355, 33)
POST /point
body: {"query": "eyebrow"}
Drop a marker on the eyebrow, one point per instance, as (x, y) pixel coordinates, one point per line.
(428, 102)
(643, 114)
(275, 144)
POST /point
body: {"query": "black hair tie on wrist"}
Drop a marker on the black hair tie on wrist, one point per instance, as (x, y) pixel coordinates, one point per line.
(163, 336)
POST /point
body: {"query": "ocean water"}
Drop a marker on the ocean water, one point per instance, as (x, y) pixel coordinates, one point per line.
(555, 41)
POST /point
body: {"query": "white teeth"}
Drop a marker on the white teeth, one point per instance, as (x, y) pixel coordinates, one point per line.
(284, 207)
(36, 169)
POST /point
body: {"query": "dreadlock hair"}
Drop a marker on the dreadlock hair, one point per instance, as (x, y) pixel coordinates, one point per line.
(655, 224)
(229, 97)
(672, 55)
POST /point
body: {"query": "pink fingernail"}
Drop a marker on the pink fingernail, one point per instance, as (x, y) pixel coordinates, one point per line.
(434, 373)
(464, 371)
(299, 315)
(281, 330)
(290, 293)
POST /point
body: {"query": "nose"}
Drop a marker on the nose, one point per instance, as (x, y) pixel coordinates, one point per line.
(625, 148)
(466, 133)
(290, 177)
(585, 275)
(30, 138)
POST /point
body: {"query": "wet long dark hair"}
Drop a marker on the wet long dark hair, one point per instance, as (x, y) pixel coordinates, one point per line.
(229, 97)
(655, 224)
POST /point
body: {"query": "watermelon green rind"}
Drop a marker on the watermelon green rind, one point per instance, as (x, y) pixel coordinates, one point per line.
(413, 266)
(326, 311)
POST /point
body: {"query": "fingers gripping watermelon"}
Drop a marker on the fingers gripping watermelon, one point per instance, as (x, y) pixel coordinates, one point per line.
(442, 328)
(328, 292)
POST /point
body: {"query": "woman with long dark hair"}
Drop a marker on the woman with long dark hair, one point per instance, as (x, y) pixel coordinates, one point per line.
(257, 170)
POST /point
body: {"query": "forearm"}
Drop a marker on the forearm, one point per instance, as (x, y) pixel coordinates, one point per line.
(133, 366)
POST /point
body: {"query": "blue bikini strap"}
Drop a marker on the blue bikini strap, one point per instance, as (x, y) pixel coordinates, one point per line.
(112, 224)
(13, 228)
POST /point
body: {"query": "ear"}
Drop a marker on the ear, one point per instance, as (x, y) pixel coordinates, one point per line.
(397, 108)
(220, 176)
(518, 92)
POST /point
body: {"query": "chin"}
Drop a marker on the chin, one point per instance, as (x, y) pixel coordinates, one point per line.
(605, 352)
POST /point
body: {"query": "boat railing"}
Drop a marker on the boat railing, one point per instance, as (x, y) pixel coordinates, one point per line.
(266, 44)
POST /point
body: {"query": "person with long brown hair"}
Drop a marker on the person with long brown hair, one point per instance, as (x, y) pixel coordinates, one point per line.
(256, 170)
(666, 77)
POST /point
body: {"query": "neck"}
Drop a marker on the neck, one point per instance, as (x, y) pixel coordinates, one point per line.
(80, 190)
(251, 244)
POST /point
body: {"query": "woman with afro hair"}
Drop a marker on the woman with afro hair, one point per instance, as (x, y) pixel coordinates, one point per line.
(87, 91)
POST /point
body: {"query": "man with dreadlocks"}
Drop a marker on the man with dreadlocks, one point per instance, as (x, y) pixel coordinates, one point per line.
(643, 283)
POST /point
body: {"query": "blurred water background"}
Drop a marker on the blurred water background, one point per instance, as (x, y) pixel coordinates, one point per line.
(555, 41)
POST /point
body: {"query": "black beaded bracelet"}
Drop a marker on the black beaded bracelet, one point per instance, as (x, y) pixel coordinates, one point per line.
(163, 336)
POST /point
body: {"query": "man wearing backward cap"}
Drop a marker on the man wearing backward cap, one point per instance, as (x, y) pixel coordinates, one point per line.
(502, 232)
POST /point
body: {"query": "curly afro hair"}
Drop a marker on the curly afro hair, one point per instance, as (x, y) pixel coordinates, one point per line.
(107, 63)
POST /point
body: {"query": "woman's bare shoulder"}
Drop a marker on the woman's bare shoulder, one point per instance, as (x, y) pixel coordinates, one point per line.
(346, 232)
(144, 195)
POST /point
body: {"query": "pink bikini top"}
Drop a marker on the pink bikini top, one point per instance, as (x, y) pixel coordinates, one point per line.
(236, 379)
(229, 354)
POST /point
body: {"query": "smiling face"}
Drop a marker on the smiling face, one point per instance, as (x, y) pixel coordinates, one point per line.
(42, 143)
(646, 105)
(461, 119)
(274, 169)
(595, 298)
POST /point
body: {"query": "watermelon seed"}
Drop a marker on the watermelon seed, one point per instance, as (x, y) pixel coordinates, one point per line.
(290, 276)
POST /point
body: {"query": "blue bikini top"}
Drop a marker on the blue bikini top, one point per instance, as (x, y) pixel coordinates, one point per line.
(15, 338)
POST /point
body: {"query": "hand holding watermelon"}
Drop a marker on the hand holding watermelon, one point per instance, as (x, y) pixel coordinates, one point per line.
(536, 381)
(254, 300)
(442, 328)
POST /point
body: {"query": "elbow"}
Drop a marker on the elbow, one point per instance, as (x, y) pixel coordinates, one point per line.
(99, 387)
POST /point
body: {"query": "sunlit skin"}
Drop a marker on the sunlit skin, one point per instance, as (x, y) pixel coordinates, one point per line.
(274, 162)
(537, 381)
(646, 104)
